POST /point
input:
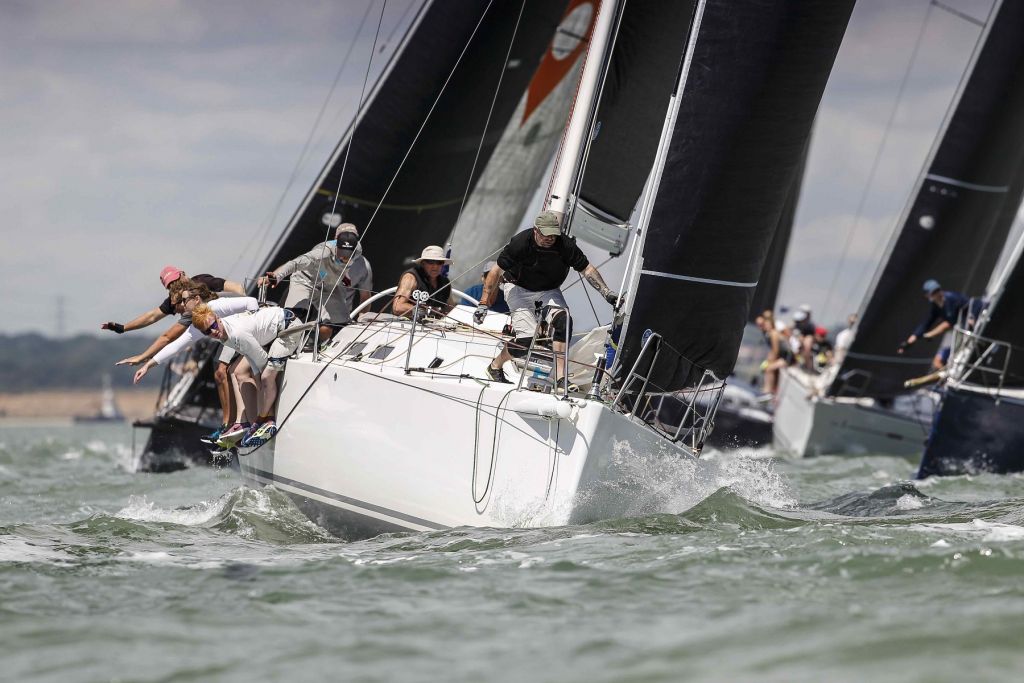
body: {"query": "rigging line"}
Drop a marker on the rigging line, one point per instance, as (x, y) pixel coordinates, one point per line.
(305, 148)
(490, 113)
(341, 178)
(852, 232)
(957, 13)
(964, 75)
(408, 152)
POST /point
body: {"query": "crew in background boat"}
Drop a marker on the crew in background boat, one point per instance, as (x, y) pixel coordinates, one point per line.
(779, 353)
(804, 326)
(426, 276)
(822, 350)
(337, 269)
(477, 291)
(844, 339)
(946, 308)
(534, 264)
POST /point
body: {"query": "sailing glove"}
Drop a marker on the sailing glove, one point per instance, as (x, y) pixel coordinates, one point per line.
(611, 297)
(479, 314)
(113, 327)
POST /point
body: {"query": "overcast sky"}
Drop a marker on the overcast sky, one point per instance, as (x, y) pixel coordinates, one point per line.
(140, 133)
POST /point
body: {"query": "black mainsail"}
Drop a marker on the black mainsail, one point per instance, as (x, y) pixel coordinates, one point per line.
(748, 92)
(450, 58)
(957, 223)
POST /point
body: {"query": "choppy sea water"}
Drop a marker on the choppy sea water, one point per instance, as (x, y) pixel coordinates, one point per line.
(829, 569)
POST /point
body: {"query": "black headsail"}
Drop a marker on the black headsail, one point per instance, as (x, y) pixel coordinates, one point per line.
(749, 89)
(423, 203)
(641, 75)
(957, 223)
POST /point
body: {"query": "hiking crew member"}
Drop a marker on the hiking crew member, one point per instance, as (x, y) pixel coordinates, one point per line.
(946, 308)
(426, 276)
(168, 276)
(337, 269)
(534, 264)
(176, 281)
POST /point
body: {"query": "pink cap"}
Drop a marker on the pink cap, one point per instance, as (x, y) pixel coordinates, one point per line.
(169, 274)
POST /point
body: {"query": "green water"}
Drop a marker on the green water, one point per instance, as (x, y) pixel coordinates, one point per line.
(831, 569)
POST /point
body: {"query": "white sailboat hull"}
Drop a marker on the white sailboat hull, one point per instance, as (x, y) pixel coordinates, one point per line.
(808, 425)
(369, 449)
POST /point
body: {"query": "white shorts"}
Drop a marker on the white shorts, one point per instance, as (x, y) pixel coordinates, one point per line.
(522, 306)
(282, 348)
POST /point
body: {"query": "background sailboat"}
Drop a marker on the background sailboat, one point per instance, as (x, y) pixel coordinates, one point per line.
(954, 230)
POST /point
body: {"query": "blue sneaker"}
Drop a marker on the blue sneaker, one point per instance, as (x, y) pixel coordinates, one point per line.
(260, 435)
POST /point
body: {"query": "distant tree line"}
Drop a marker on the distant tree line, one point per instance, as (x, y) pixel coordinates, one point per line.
(31, 361)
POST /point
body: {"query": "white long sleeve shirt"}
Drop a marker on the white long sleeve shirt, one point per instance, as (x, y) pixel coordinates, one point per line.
(222, 307)
(248, 333)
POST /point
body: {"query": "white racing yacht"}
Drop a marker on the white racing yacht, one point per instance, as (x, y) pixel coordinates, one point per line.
(698, 113)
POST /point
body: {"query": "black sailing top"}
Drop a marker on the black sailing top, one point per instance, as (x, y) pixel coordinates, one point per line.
(439, 295)
(536, 268)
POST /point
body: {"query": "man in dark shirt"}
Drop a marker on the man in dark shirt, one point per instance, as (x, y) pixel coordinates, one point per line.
(945, 310)
(534, 264)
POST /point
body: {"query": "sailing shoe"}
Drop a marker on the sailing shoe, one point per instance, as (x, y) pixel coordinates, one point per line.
(497, 375)
(213, 436)
(259, 436)
(233, 434)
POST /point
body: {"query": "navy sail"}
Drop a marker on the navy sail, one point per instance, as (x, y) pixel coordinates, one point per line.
(748, 93)
(957, 223)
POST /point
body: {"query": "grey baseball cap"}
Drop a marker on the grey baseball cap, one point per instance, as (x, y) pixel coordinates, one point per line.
(549, 223)
(930, 286)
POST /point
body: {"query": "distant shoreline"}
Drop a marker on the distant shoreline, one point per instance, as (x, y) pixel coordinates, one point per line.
(65, 404)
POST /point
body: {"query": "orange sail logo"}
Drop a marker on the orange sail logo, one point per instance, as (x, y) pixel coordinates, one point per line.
(570, 41)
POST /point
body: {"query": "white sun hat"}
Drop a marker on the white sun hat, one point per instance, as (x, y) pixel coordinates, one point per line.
(432, 253)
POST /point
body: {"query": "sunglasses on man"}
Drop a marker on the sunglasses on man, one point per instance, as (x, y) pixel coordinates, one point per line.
(214, 326)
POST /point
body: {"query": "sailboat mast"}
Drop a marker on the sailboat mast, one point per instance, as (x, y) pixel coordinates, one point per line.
(577, 130)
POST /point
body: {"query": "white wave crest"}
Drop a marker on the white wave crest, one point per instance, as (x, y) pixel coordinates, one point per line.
(142, 510)
(992, 532)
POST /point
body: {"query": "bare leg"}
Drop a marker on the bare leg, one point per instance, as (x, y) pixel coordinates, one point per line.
(268, 392)
(248, 390)
(220, 377)
(502, 358)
